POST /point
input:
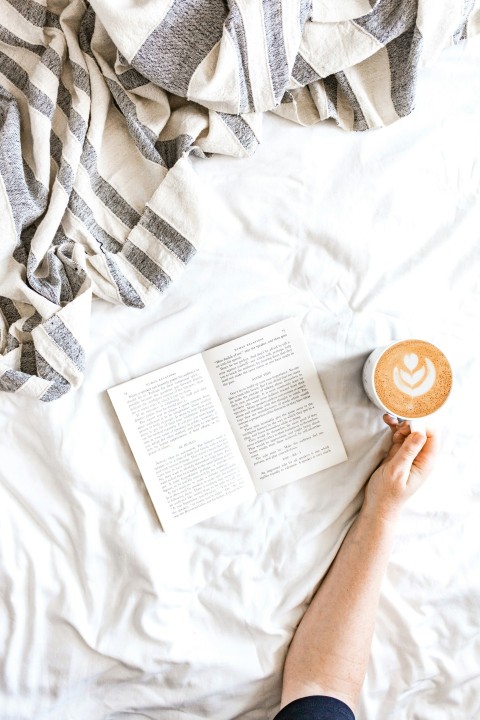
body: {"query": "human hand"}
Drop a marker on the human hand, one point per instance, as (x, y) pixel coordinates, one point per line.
(408, 463)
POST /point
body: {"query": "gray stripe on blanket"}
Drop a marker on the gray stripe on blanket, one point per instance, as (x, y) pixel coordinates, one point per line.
(85, 33)
(331, 87)
(28, 364)
(52, 60)
(127, 292)
(26, 195)
(12, 343)
(11, 380)
(177, 46)
(131, 79)
(303, 72)
(287, 97)
(8, 310)
(146, 266)
(32, 322)
(36, 98)
(56, 148)
(65, 340)
(389, 19)
(24, 244)
(359, 122)
(241, 129)
(173, 150)
(59, 385)
(81, 78)
(306, 11)
(76, 123)
(35, 13)
(79, 207)
(404, 55)
(234, 26)
(170, 237)
(65, 175)
(277, 56)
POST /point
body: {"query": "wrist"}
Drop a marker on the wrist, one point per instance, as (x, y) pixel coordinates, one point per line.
(381, 515)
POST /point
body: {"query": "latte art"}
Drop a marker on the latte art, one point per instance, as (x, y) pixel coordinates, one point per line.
(412, 378)
(415, 382)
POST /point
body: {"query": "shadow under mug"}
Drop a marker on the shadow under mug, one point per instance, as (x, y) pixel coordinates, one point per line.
(417, 424)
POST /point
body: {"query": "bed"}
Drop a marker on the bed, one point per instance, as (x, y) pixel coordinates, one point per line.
(365, 237)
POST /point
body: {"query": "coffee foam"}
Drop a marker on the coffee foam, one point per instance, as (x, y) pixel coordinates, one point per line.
(412, 378)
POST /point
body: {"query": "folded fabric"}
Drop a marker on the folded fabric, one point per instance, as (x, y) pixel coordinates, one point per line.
(101, 105)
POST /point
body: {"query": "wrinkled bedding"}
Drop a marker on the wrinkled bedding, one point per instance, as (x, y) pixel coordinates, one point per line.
(365, 237)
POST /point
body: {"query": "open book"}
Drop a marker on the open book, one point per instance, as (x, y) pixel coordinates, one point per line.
(213, 430)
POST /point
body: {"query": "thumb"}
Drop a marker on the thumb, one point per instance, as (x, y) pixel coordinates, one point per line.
(411, 447)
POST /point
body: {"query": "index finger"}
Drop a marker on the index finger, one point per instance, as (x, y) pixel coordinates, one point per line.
(391, 421)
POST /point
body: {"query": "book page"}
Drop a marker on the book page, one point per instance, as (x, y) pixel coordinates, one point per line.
(182, 443)
(273, 398)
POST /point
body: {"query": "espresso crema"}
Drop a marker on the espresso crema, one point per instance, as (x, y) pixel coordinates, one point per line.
(412, 378)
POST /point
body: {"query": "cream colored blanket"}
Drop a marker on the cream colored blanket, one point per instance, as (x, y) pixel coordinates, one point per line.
(101, 105)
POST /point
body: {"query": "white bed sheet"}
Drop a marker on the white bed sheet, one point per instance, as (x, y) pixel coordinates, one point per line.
(366, 238)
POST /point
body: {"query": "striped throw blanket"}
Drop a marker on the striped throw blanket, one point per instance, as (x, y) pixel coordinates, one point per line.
(101, 105)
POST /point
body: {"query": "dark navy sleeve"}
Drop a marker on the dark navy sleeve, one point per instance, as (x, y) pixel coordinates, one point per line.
(316, 707)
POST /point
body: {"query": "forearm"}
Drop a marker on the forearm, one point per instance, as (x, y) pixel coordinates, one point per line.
(329, 653)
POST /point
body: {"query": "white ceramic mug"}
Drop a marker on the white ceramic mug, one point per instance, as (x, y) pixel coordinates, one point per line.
(417, 424)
